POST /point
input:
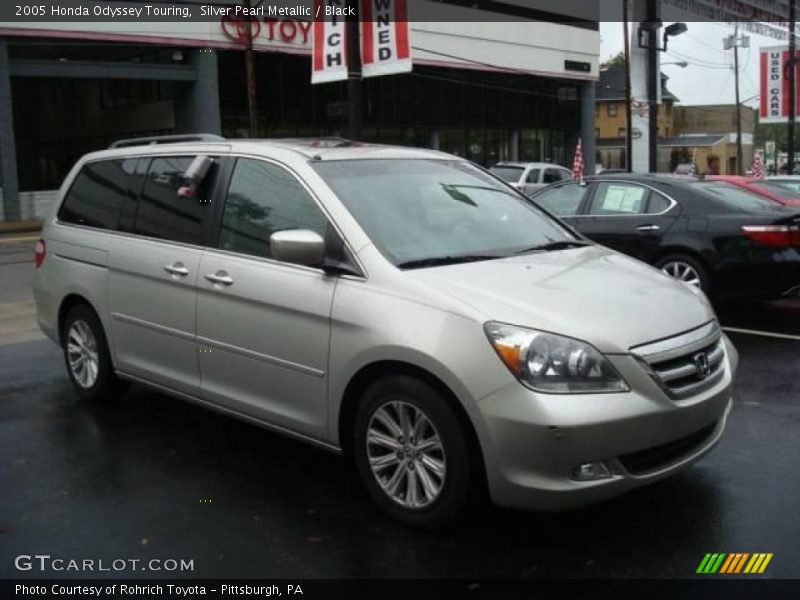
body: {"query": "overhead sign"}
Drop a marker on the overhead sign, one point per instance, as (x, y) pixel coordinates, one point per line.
(329, 43)
(384, 37)
(775, 85)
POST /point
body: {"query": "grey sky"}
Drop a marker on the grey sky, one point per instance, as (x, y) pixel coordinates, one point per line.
(709, 78)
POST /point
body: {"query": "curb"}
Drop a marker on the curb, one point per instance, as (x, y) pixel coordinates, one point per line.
(20, 226)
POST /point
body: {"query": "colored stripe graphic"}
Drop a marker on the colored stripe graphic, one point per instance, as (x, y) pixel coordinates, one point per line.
(733, 563)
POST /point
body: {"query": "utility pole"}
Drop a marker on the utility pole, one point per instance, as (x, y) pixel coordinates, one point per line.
(628, 113)
(792, 84)
(250, 72)
(354, 80)
(654, 80)
(734, 41)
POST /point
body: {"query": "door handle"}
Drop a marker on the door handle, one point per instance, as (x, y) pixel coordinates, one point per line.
(220, 277)
(645, 228)
(178, 269)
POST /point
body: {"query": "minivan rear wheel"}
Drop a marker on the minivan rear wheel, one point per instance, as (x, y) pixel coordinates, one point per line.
(87, 357)
(411, 452)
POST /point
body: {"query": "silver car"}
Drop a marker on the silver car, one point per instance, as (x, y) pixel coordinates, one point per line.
(530, 177)
(402, 307)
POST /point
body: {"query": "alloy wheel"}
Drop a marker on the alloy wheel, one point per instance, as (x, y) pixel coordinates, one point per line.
(682, 272)
(84, 362)
(406, 454)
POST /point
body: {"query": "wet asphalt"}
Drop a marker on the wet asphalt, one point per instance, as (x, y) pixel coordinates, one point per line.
(149, 476)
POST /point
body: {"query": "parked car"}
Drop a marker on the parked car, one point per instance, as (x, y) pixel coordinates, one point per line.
(765, 187)
(791, 182)
(685, 169)
(402, 307)
(530, 177)
(726, 239)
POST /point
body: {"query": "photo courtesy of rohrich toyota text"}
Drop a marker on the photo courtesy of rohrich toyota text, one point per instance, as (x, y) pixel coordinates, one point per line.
(399, 299)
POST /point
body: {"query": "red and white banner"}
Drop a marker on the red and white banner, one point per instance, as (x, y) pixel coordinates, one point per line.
(775, 85)
(329, 43)
(385, 49)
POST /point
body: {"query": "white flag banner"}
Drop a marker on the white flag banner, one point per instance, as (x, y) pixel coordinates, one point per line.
(385, 47)
(328, 43)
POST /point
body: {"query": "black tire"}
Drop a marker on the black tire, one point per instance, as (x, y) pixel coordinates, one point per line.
(705, 282)
(454, 491)
(106, 386)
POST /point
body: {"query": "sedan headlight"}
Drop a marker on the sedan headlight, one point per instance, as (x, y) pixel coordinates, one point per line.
(551, 363)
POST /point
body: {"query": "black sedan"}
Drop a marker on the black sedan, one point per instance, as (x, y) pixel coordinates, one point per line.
(731, 242)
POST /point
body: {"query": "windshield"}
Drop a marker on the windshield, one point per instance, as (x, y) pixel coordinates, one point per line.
(737, 198)
(417, 210)
(509, 174)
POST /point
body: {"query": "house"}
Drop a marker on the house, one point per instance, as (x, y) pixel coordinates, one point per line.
(611, 117)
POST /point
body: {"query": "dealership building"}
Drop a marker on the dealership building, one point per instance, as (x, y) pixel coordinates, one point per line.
(514, 84)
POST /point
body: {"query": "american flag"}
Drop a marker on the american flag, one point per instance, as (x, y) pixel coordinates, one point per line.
(577, 166)
(758, 166)
(693, 170)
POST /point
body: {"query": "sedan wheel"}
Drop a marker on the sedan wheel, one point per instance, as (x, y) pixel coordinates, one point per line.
(406, 455)
(682, 272)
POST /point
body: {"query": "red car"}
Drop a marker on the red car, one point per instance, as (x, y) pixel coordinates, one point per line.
(763, 187)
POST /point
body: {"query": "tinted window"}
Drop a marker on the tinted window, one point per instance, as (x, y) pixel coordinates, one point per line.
(657, 204)
(564, 200)
(99, 192)
(426, 210)
(509, 174)
(556, 175)
(791, 184)
(262, 199)
(618, 199)
(533, 176)
(736, 198)
(162, 213)
(781, 190)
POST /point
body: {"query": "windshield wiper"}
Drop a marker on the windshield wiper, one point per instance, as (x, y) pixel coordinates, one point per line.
(558, 245)
(438, 261)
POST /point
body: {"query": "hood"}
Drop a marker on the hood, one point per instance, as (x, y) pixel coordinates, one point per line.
(593, 294)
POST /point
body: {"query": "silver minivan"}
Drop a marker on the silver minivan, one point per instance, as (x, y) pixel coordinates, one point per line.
(402, 307)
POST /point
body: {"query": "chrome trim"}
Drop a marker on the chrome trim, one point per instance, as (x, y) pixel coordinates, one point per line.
(652, 351)
(684, 348)
(183, 335)
(229, 411)
(672, 202)
(261, 357)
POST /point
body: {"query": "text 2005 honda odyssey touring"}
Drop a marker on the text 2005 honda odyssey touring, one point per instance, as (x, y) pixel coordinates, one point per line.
(402, 306)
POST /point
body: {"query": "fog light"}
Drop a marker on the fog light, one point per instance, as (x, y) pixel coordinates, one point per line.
(591, 471)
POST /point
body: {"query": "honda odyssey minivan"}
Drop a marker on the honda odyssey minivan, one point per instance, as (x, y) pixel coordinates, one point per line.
(402, 307)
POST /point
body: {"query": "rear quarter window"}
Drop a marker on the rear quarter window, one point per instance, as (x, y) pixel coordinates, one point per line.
(98, 193)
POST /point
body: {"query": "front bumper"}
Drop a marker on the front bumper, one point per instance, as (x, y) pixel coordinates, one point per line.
(535, 441)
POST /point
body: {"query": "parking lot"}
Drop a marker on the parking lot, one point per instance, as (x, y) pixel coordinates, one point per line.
(152, 476)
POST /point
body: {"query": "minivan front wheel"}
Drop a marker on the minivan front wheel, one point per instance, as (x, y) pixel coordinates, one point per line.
(87, 357)
(411, 451)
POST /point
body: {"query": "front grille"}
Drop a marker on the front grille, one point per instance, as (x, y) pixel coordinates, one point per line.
(687, 364)
(652, 459)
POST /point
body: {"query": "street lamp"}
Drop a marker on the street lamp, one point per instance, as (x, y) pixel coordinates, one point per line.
(681, 63)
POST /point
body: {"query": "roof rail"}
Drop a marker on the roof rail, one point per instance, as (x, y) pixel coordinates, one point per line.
(167, 139)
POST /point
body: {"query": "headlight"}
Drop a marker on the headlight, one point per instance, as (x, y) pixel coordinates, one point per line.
(551, 363)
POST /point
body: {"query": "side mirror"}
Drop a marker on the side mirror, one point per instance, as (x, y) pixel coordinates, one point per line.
(298, 246)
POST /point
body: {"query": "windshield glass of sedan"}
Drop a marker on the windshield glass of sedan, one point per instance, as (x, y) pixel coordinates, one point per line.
(416, 210)
(509, 174)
